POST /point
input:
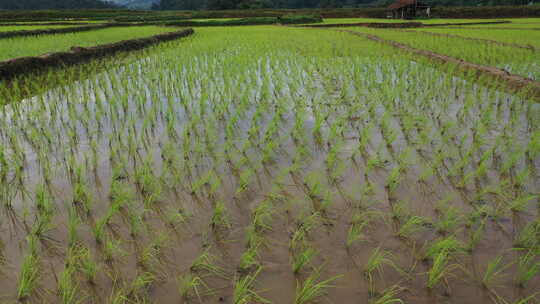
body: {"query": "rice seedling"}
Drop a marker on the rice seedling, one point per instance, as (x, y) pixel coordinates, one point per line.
(243, 290)
(413, 225)
(388, 296)
(67, 288)
(190, 285)
(440, 270)
(375, 265)
(302, 259)
(250, 258)
(528, 267)
(207, 262)
(312, 288)
(319, 133)
(220, 218)
(29, 272)
(493, 272)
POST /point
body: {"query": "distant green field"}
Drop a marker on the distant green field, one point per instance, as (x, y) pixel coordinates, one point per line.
(515, 60)
(37, 45)
(524, 37)
(31, 27)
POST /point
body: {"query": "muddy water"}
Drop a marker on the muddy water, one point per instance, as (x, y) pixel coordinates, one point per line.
(179, 139)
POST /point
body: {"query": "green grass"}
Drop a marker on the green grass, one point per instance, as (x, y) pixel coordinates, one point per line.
(38, 45)
(524, 38)
(31, 27)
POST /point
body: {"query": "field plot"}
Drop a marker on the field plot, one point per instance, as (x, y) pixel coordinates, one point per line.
(30, 27)
(237, 166)
(526, 38)
(37, 45)
(524, 62)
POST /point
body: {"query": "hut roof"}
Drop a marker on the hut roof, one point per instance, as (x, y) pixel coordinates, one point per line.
(403, 3)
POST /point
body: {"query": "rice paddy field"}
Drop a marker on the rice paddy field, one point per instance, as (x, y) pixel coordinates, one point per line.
(37, 45)
(271, 164)
(30, 27)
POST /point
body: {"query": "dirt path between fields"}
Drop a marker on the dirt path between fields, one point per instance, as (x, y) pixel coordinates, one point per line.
(514, 83)
(25, 65)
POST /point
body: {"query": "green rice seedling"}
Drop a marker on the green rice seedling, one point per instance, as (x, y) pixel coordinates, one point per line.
(528, 266)
(359, 222)
(302, 259)
(375, 264)
(82, 196)
(29, 276)
(72, 226)
(112, 249)
(476, 235)
(244, 293)
(305, 225)
(263, 216)
(220, 218)
(150, 257)
(68, 290)
(250, 259)
(449, 244)
(393, 180)
(520, 204)
(413, 225)
(529, 236)
(312, 288)
(86, 264)
(448, 220)
(138, 290)
(493, 272)
(207, 262)
(190, 285)
(401, 210)
(98, 230)
(440, 269)
(388, 296)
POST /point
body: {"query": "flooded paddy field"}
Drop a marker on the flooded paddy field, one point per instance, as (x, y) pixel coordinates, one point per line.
(236, 166)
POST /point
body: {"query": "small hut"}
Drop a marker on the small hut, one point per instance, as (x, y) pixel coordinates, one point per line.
(408, 9)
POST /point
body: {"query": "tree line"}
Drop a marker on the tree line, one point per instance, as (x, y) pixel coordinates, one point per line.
(240, 4)
(251, 4)
(53, 4)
